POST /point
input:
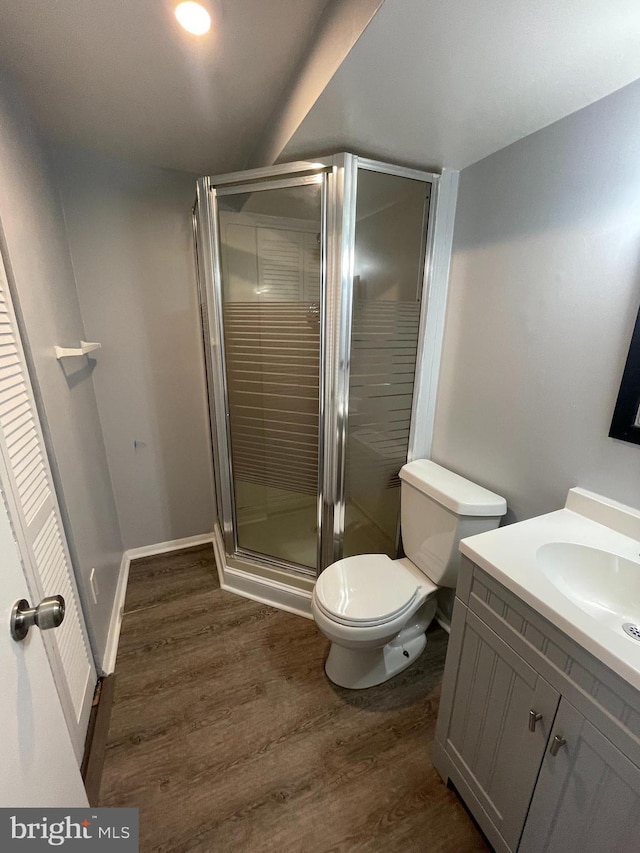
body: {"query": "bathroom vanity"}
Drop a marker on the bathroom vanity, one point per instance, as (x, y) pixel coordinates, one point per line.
(539, 723)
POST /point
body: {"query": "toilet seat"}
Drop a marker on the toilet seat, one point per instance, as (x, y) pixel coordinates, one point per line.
(368, 590)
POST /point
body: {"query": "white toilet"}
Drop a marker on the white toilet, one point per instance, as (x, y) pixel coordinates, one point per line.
(376, 610)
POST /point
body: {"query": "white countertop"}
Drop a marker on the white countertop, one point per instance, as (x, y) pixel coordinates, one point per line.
(508, 554)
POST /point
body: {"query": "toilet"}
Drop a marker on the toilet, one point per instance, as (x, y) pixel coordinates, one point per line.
(375, 610)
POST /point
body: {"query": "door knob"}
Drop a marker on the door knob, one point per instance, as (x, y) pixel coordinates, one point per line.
(48, 614)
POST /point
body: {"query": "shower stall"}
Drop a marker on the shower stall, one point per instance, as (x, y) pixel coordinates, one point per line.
(313, 280)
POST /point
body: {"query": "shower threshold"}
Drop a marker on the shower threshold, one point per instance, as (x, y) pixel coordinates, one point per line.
(287, 590)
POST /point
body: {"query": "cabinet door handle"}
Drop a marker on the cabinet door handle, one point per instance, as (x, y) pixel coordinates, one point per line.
(556, 743)
(534, 718)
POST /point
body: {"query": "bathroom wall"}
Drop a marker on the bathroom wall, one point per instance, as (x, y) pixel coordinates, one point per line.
(39, 260)
(129, 229)
(545, 286)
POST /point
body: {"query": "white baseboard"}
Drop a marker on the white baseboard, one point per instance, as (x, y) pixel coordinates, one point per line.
(115, 623)
(117, 612)
(172, 545)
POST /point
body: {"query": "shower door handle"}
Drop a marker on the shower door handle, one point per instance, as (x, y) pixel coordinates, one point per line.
(313, 315)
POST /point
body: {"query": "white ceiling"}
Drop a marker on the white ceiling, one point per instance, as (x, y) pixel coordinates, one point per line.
(434, 83)
(429, 83)
(121, 76)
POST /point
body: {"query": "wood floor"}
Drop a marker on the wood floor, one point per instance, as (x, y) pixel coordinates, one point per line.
(227, 735)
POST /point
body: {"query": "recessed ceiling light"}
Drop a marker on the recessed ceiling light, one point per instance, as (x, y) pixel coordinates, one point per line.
(194, 18)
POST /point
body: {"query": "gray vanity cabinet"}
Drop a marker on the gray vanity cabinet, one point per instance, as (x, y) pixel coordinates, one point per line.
(489, 730)
(541, 740)
(588, 794)
(498, 743)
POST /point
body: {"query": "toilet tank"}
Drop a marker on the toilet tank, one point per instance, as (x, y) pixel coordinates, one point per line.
(438, 509)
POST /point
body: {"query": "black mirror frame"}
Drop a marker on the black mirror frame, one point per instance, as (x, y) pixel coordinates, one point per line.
(625, 424)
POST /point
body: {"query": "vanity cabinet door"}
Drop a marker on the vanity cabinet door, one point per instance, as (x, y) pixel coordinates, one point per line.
(501, 716)
(588, 795)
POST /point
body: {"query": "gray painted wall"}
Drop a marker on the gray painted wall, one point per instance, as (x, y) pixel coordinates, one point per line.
(545, 285)
(129, 229)
(39, 259)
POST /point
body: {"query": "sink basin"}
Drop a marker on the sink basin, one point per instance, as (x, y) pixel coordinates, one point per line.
(579, 568)
(604, 585)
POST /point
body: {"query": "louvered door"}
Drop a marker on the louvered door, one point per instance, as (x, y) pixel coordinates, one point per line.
(280, 264)
(35, 516)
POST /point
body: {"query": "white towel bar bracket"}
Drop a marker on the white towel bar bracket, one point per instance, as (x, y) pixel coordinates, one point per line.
(84, 348)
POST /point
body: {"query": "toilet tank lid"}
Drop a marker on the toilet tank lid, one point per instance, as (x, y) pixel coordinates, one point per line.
(451, 490)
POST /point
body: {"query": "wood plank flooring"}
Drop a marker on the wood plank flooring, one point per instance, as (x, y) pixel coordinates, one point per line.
(228, 737)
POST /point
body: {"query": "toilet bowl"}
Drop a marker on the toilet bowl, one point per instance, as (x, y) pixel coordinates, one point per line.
(375, 610)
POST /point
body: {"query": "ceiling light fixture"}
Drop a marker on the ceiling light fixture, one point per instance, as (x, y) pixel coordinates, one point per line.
(194, 18)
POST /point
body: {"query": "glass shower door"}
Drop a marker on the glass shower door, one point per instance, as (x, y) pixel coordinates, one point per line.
(271, 283)
(312, 299)
(392, 213)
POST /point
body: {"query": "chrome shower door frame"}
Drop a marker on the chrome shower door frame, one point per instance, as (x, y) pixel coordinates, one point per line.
(337, 322)
(430, 285)
(337, 420)
(336, 307)
(203, 218)
(210, 271)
